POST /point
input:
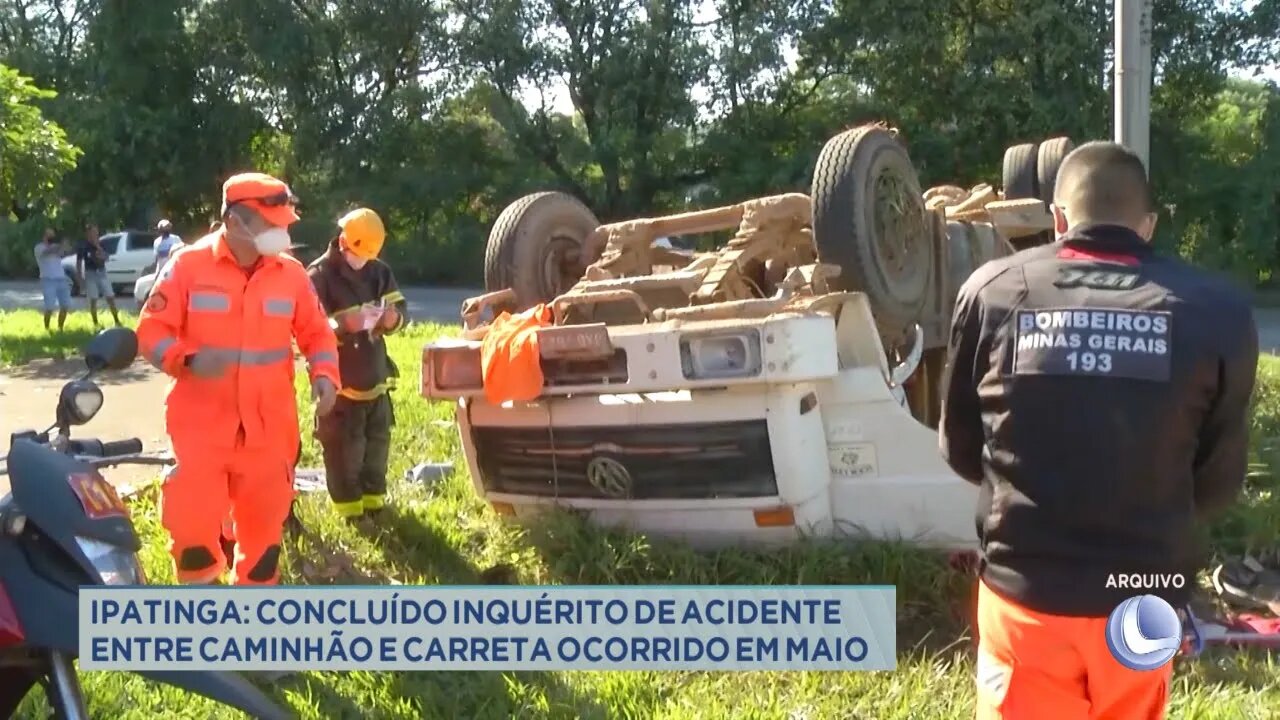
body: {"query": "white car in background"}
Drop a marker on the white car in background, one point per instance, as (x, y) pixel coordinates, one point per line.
(130, 255)
(142, 288)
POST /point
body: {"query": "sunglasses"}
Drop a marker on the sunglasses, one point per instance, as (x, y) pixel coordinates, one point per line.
(284, 197)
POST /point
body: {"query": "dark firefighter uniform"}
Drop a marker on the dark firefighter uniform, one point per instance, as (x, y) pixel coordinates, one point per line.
(356, 436)
(1098, 395)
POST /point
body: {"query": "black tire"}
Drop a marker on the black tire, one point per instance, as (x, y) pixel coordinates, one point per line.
(887, 255)
(1019, 176)
(532, 239)
(75, 284)
(1048, 160)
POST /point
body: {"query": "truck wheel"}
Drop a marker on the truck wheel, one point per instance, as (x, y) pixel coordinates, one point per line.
(1019, 177)
(1048, 160)
(535, 247)
(869, 218)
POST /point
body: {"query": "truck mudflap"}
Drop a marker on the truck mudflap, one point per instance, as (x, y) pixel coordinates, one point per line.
(228, 688)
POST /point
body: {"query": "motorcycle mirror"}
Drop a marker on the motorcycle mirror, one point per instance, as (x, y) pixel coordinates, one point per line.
(112, 349)
(78, 402)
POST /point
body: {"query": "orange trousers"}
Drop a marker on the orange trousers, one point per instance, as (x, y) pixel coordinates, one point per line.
(255, 485)
(1035, 666)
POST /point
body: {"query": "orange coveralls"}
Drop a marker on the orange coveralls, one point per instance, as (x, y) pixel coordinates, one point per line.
(235, 436)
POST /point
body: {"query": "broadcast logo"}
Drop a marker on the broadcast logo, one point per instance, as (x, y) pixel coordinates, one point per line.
(1144, 632)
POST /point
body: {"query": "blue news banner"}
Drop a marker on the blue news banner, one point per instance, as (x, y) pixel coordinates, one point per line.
(488, 628)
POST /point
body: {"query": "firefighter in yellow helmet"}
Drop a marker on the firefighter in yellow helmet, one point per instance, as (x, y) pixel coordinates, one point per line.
(359, 293)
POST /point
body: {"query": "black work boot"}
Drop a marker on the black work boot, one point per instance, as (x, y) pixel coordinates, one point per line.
(228, 550)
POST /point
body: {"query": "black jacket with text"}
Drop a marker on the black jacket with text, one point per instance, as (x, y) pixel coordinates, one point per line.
(1098, 394)
(367, 371)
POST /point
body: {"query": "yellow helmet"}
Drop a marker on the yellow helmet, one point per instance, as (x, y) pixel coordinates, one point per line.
(362, 233)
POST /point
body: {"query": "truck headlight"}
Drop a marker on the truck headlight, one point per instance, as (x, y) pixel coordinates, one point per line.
(724, 354)
(453, 367)
(116, 565)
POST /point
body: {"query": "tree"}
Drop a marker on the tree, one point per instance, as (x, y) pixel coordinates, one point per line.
(34, 151)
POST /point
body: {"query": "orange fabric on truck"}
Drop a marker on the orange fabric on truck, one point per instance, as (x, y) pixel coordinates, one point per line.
(509, 356)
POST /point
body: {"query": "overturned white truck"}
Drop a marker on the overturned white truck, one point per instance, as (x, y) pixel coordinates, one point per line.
(787, 384)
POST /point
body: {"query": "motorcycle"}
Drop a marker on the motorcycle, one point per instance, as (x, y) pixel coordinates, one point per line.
(62, 526)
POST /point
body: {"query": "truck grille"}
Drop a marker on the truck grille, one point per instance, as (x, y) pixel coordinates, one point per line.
(686, 461)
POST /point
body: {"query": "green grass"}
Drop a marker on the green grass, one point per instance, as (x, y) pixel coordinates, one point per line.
(23, 337)
(446, 536)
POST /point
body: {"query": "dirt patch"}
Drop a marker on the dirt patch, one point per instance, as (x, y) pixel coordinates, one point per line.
(134, 407)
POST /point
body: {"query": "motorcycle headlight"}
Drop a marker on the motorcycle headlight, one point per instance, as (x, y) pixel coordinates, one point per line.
(725, 354)
(116, 565)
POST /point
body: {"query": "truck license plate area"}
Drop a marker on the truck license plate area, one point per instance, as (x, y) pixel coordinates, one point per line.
(575, 342)
(696, 461)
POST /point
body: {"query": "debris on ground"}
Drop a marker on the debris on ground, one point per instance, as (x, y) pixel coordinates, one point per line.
(428, 473)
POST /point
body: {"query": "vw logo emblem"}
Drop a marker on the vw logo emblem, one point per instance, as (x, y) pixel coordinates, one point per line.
(609, 477)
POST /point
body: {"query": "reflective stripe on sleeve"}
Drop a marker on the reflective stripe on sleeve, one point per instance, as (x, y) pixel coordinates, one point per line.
(156, 357)
(324, 356)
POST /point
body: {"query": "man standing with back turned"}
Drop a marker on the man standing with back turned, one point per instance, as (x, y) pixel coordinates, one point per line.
(221, 322)
(1097, 392)
(359, 292)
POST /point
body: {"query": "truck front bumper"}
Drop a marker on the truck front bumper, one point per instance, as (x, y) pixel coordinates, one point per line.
(711, 468)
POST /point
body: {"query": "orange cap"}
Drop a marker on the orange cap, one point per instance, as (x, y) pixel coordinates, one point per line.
(271, 198)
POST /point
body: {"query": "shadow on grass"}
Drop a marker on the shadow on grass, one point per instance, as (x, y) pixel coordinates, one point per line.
(496, 696)
(331, 703)
(57, 345)
(407, 541)
(23, 337)
(408, 548)
(312, 559)
(73, 366)
(934, 601)
(1251, 669)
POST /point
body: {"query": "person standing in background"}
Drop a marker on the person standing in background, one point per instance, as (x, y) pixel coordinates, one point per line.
(91, 267)
(53, 281)
(165, 244)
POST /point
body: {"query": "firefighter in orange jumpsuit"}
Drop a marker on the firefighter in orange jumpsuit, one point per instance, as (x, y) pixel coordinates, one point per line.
(221, 322)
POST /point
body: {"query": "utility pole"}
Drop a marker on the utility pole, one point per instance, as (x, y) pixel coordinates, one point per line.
(1133, 77)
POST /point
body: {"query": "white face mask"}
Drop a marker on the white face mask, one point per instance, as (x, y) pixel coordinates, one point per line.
(273, 241)
(356, 263)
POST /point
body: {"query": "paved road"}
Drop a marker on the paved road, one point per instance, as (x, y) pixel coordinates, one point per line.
(433, 304)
